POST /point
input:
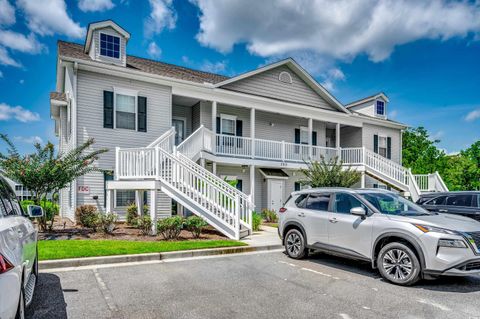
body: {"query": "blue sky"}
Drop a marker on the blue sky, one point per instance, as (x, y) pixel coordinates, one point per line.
(424, 55)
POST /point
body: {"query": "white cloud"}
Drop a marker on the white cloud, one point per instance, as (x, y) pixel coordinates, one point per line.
(393, 114)
(19, 42)
(473, 115)
(8, 112)
(7, 13)
(47, 17)
(29, 139)
(213, 67)
(437, 135)
(6, 59)
(153, 50)
(21, 81)
(334, 29)
(162, 16)
(95, 5)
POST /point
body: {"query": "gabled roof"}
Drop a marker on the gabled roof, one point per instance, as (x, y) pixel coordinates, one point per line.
(75, 51)
(368, 99)
(295, 67)
(100, 25)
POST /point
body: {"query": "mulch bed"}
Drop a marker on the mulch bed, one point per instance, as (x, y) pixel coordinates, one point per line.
(64, 229)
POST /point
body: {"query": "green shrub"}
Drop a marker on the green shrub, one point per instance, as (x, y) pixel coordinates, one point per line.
(256, 221)
(270, 216)
(87, 216)
(170, 227)
(195, 225)
(133, 215)
(144, 223)
(107, 222)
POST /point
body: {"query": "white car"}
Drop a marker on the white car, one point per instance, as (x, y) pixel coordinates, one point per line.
(18, 254)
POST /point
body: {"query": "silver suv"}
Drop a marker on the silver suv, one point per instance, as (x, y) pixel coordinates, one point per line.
(404, 241)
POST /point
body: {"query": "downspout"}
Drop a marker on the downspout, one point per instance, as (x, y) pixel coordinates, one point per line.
(74, 130)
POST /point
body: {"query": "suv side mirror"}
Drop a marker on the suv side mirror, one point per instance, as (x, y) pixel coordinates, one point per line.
(35, 211)
(358, 211)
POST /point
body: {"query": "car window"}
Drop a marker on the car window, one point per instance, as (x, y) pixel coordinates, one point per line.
(9, 200)
(345, 202)
(318, 202)
(440, 200)
(460, 200)
(300, 201)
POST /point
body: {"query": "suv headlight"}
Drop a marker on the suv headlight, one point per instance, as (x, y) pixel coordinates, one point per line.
(433, 229)
(452, 243)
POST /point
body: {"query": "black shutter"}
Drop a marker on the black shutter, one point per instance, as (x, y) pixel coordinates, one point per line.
(142, 114)
(239, 131)
(375, 143)
(218, 125)
(314, 138)
(297, 136)
(107, 109)
(296, 186)
(389, 147)
(239, 185)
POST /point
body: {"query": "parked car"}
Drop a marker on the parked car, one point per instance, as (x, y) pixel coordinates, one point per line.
(18, 254)
(461, 203)
(403, 240)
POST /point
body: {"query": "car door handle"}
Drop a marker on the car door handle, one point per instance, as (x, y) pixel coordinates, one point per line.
(301, 214)
(333, 220)
(443, 210)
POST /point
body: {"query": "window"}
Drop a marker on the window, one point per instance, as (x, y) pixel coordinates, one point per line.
(345, 202)
(285, 77)
(380, 108)
(228, 124)
(303, 135)
(124, 198)
(239, 185)
(18, 187)
(300, 201)
(460, 200)
(382, 146)
(318, 202)
(109, 46)
(9, 199)
(125, 110)
(440, 200)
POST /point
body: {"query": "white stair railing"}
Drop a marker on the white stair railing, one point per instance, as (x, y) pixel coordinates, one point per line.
(394, 171)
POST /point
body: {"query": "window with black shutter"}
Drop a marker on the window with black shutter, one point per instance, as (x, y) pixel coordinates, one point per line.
(107, 109)
(142, 114)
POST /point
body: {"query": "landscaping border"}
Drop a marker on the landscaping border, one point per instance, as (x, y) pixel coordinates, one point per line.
(90, 261)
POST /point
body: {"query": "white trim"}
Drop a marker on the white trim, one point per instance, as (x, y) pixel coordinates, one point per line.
(126, 92)
(289, 81)
(367, 99)
(100, 25)
(228, 117)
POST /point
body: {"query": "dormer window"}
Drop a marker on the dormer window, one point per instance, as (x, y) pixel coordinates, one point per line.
(109, 46)
(380, 108)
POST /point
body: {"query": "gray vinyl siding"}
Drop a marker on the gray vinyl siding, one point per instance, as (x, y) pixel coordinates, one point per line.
(370, 130)
(90, 124)
(351, 136)
(266, 84)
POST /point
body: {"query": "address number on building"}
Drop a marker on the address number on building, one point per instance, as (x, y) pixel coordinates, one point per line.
(84, 189)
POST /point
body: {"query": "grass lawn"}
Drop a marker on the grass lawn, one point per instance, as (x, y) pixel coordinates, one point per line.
(271, 224)
(60, 249)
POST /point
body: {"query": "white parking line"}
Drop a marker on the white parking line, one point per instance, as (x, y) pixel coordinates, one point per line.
(434, 304)
(320, 273)
(344, 316)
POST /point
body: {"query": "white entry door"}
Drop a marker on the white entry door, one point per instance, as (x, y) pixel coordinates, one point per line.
(179, 125)
(276, 194)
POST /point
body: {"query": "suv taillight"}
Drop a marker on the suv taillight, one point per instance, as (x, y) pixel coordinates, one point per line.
(282, 210)
(5, 264)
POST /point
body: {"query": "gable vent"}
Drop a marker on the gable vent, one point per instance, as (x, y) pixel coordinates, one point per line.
(285, 77)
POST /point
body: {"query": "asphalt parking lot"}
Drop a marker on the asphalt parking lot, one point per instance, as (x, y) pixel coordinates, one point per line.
(261, 285)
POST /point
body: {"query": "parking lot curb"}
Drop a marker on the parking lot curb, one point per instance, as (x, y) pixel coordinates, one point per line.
(102, 260)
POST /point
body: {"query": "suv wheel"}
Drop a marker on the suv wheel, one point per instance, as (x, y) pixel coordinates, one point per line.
(398, 264)
(295, 244)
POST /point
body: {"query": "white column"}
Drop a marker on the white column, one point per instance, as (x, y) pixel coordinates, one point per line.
(310, 137)
(362, 180)
(214, 168)
(337, 141)
(214, 117)
(109, 201)
(252, 182)
(139, 201)
(252, 130)
(153, 210)
(202, 162)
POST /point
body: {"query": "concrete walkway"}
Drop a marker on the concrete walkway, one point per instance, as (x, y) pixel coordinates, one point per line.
(268, 236)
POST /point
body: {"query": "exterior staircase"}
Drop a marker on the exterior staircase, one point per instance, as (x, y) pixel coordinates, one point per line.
(197, 189)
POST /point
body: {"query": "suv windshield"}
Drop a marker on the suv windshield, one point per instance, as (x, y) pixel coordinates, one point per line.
(393, 204)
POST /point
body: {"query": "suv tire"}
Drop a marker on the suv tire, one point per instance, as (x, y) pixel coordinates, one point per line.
(295, 244)
(398, 264)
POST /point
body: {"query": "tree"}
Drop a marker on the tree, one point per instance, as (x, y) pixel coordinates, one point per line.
(420, 153)
(461, 173)
(46, 171)
(329, 174)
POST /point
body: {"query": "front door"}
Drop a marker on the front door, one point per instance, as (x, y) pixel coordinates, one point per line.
(179, 125)
(349, 233)
(276, 194)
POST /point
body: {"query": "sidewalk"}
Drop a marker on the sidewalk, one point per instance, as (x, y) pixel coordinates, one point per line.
(268, 236)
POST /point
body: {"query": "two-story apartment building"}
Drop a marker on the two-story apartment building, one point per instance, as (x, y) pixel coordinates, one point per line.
(177, 134)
